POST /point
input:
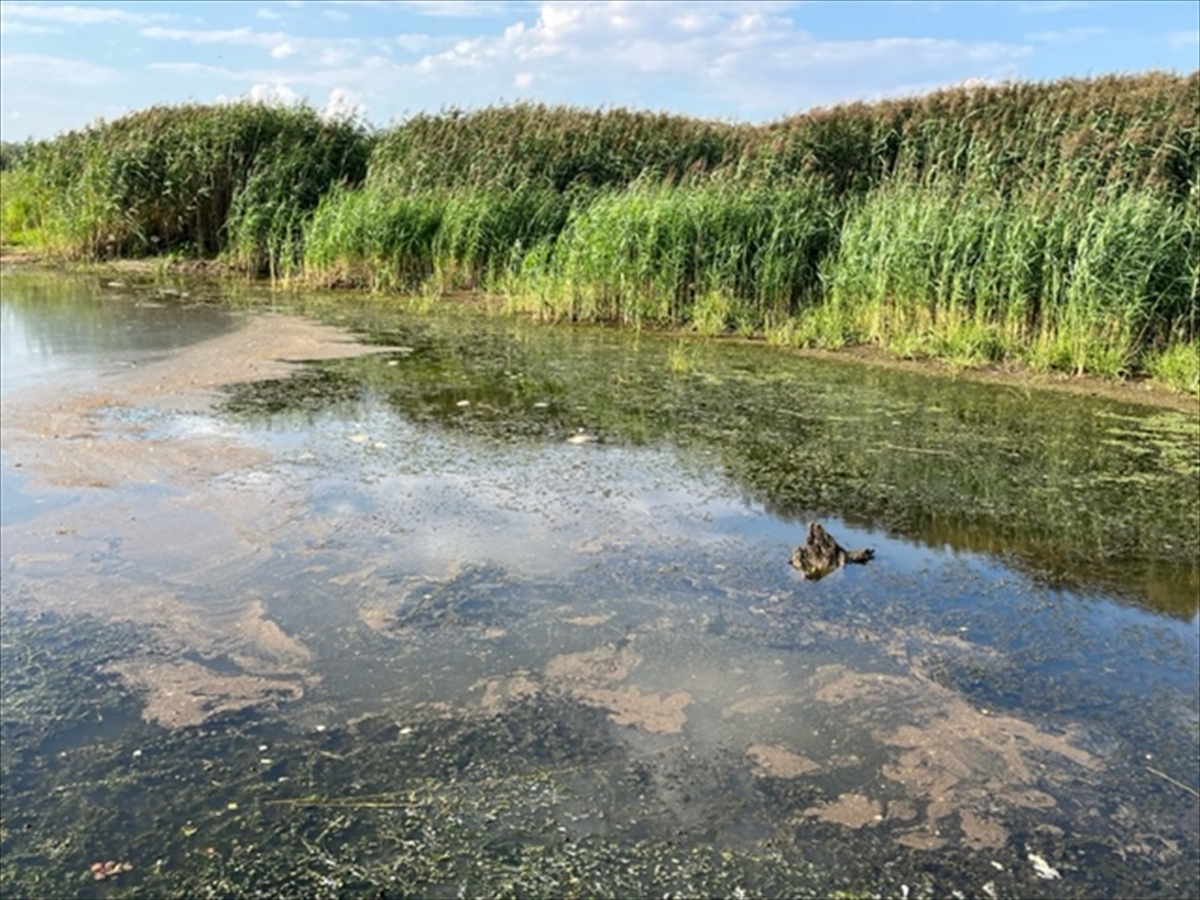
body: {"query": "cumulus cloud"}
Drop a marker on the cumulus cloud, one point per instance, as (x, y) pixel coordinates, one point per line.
(343, 105)
(277, 94)
(728, 55)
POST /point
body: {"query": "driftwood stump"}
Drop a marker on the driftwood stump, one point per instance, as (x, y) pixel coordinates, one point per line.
(820, 554)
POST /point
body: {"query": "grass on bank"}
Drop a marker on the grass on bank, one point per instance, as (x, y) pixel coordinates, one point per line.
(1051, 224)
(234, 179)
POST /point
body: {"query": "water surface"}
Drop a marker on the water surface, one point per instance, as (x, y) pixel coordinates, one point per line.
(505, 609)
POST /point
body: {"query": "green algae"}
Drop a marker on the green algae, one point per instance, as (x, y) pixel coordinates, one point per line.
(1095, 495)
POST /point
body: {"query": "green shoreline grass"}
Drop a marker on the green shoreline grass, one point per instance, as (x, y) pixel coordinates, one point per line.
(1049, 225)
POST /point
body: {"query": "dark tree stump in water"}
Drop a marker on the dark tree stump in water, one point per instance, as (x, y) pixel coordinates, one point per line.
(820, 554)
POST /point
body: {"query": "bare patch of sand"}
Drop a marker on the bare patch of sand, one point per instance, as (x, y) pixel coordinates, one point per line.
(850, 810)
(602, 665)
(594, 677)
(658, 712)
(268, 640)
(180, 692)
(777, 761)
(78, 439)
(589, 621)
(215, 518)
(498, 693)
(980, 832)
(954, 759)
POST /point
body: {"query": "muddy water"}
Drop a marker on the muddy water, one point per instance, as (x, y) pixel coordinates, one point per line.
(338, 596)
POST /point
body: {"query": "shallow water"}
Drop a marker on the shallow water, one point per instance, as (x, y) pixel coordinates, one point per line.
(504, 608)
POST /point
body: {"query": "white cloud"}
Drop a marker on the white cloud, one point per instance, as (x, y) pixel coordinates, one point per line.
(1178, 40)
(277, 94)
(722, 58)
(728, 54)
(343, 105)
(1066, 35)
(74, 15)
(413, 43)
(7, 27)
(54, 70)
(267, 40)
(1054, 6)
(335, 56)
(456, 9)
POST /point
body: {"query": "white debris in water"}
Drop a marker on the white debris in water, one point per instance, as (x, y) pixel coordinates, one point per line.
(1042, 868)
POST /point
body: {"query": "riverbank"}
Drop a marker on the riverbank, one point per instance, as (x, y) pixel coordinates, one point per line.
(1048, 226)
(1140, 390)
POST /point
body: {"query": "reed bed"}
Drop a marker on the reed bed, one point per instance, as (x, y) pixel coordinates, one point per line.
(472, 239)
(555, 148)
(1052, 224)
(1089, 285)
(198, 180)
(718, 255)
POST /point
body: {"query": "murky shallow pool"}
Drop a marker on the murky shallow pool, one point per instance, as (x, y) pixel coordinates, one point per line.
(505, 609)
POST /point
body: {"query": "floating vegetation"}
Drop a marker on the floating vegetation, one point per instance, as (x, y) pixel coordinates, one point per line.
(537, 797)
(1100, 494)
(456, 653)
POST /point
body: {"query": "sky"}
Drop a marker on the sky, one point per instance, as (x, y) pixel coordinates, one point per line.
(65, 65)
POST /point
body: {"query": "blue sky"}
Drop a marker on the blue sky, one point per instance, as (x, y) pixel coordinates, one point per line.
(63, 65)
